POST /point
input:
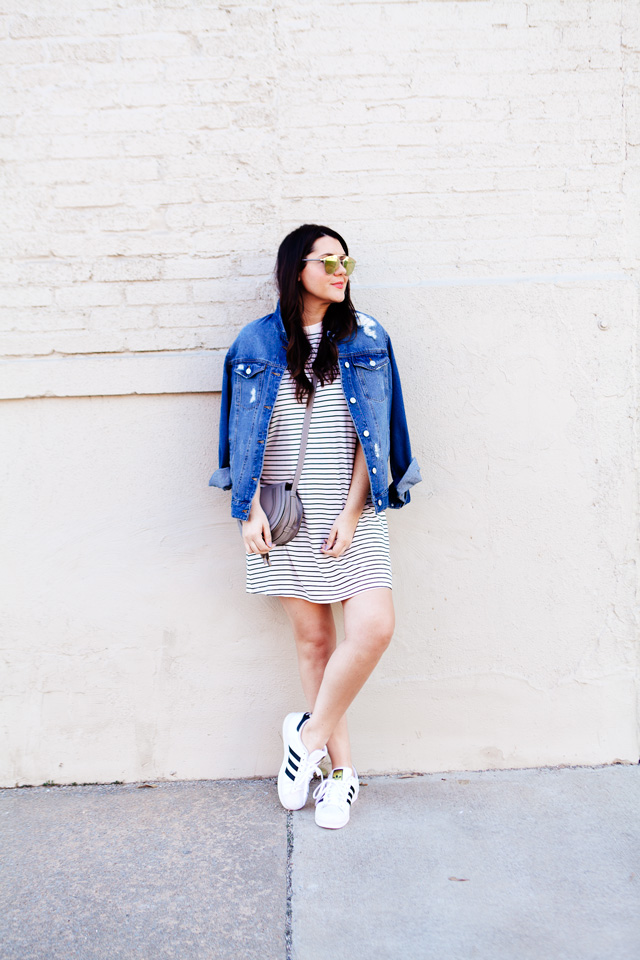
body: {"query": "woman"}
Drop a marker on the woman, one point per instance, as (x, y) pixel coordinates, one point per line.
(341, 552)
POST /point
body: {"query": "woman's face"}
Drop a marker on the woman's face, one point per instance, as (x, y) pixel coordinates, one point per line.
(319, 286)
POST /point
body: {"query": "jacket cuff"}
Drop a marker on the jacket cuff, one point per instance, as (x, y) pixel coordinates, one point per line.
(410, 478)
(221, 478)
(399, 493)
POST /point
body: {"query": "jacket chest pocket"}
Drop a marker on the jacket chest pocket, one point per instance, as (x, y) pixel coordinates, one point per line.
(249, 383)
(372, 374)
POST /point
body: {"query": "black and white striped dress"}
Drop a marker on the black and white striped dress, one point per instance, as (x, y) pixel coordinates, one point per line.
(298, 568)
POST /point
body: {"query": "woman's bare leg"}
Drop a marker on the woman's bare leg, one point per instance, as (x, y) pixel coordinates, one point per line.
(314, 630)
(369, 622)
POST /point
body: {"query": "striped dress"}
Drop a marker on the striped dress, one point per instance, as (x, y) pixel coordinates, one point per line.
(298, 568)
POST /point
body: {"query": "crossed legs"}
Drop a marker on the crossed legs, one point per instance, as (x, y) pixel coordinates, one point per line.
(332, 674)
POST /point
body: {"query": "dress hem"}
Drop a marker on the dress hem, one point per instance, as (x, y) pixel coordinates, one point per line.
(339, 599)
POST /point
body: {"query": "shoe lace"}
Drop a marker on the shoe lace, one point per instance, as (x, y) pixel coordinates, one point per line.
(307, 769)
(331, 791)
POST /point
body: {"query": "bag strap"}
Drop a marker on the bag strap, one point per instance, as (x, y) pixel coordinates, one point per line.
(305, 434)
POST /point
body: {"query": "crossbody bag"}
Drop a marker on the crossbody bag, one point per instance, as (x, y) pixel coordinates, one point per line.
(280, 501)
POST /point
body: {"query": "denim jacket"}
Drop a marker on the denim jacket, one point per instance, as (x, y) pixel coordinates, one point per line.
(253, 369)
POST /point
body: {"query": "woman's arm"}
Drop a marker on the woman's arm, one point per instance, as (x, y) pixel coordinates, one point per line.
(222, 476)
(405, 472)
(343, 529)
(255, 529)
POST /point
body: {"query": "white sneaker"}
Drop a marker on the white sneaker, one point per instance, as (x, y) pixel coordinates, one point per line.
(334, 798)
(298, 765)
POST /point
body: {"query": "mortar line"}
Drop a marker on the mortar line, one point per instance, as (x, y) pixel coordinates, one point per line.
(494, 281)
(288, 917)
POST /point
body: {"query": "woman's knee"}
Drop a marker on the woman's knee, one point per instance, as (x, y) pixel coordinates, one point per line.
(316, 644)
(369, 619)
(383, 627)
(313, 628)
(373, 638)
(382, 636)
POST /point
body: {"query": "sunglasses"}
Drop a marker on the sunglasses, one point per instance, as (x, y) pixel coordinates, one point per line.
(331, 263)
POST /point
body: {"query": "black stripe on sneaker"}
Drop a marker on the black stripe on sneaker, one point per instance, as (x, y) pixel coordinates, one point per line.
(291, 765)
(305, 716)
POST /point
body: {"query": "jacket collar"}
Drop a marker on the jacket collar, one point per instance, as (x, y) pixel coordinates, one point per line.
(277, 317)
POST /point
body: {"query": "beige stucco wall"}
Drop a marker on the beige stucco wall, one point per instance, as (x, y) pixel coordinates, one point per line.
(484, 168)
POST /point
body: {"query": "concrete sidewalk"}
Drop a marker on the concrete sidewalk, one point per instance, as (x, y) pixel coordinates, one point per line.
(497, 865)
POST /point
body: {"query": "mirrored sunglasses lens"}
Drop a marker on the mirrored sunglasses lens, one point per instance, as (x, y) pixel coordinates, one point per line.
(330, 264)
(349, 264)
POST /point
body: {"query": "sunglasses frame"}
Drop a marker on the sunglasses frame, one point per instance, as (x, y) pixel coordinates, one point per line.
(329, 260)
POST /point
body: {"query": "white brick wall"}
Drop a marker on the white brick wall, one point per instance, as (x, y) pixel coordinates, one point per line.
(154, 155)
(483, 161)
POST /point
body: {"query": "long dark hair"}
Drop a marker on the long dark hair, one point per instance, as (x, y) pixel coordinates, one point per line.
(339, 321)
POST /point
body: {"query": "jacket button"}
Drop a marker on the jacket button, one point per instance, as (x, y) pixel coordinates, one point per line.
(353, 399)
(372, 363)
(379, 503)
(248, 369)
(366, 433)
(374, 470)
(346, 363)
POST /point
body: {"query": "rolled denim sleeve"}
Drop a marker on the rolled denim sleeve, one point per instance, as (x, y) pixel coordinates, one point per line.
(405, 472)
(222, 476)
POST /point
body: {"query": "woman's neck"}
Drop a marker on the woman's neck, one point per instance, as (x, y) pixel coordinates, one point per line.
(314, 312)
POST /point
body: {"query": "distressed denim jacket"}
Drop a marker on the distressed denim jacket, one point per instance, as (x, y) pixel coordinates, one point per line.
(253, 369)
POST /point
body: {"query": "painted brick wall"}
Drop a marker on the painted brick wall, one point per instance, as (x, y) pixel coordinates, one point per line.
(154, 154)
(483, 161)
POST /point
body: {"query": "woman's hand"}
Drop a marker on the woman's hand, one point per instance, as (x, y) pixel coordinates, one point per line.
(341, 534)
(255, 529)
(344, 527)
